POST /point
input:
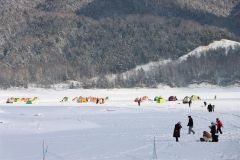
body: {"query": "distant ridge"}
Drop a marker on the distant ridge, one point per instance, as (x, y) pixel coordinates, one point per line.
(224, 44)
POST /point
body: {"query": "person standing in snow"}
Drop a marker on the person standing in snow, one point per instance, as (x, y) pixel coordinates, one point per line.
(176, 132)
(205, 104)
(97, 101)
(219, 125)
(189, 103)
(213, 132)
(139, 101)
(190, 125)
(213, 107)
(209, 108)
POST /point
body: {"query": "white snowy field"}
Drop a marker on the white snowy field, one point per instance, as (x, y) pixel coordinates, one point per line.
(118, 129)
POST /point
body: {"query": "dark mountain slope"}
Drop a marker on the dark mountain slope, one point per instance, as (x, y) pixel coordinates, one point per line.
(168, 8)
(235, 16)
(50, 41)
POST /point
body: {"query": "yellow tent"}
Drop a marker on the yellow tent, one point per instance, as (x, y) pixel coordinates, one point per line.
(160, 100)
(195, 98)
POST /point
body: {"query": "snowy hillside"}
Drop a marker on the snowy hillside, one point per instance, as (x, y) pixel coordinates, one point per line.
(224, 43)
(215, 64)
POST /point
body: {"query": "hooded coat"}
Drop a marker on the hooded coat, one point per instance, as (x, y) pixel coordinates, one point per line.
(177, 128)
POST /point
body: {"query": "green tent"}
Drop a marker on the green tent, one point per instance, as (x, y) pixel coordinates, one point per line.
(65, 99)
(156, 98)
(29, 102)
(159, 99)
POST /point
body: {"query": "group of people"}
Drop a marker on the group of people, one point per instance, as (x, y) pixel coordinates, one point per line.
(207, 137)
(214, 129)
(210, 107)
(177, 128)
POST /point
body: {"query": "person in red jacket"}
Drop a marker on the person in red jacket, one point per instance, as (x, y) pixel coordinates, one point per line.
(219, 125)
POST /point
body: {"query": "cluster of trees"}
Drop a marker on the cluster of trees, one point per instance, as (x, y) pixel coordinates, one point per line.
(214, 67)
(217, 67)
(220, 8)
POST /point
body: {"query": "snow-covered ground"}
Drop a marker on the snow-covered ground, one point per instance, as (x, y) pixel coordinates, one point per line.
(118, 129)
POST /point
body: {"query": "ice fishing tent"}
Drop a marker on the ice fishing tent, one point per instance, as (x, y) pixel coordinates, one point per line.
(10, 100)
(172, 98)
(186, 99)
(145, 98)
(35, 98)
(24, 99)
(97, 100)
(82, 100)
(29, 102)
(195, 98)
(65, 99)
(156, 98)
(17, 100)
(160, 100)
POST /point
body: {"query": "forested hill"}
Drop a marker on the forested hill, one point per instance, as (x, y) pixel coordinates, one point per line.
(52, 41)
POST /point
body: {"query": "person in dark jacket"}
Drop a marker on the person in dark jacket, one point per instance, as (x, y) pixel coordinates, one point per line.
(190, 103)
(176, 132)
(213, 107)
(190, 125)
(205, 104)
(139, 101)
(97, 101)
(209, 108)
(213, 132)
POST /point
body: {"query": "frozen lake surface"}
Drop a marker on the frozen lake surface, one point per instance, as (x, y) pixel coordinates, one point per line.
(118, 129)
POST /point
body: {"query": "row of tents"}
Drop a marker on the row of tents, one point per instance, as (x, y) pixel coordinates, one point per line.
(192, 98)
(81, 99)
(161, 100)
(26, 100)
(101, 100)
